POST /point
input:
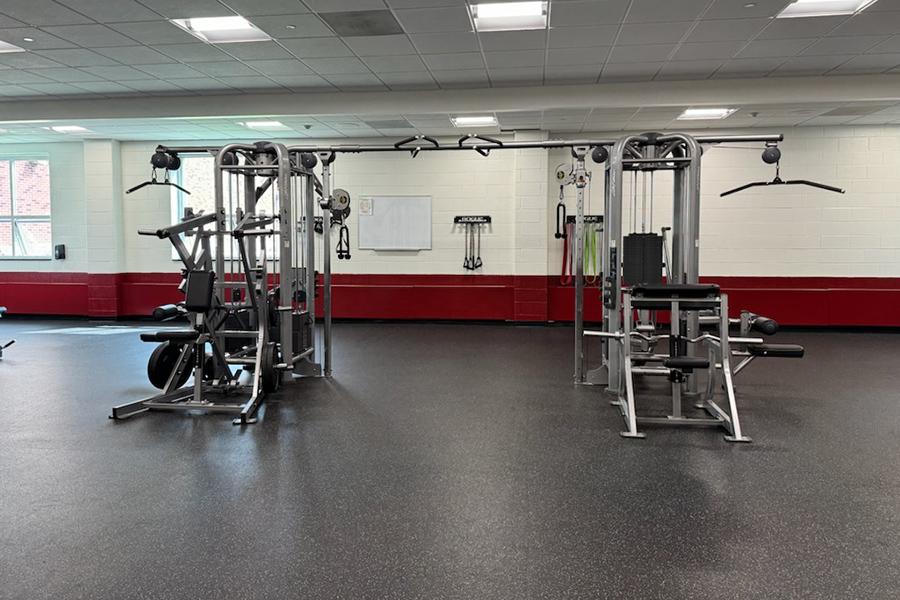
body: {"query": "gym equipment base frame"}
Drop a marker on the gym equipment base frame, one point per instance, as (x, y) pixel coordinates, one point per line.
(678, 367)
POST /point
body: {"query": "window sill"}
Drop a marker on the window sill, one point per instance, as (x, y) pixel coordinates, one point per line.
(28, 258)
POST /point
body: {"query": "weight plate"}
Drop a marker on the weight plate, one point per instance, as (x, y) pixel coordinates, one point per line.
(162, 361)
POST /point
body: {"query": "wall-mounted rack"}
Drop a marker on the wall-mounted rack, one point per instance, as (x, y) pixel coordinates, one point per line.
(472, 219)
(588, 219)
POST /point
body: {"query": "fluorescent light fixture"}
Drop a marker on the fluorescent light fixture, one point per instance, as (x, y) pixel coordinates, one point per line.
(66, 128)
(509, 16)
(824, 8)
(222, 30)
(474, 121)
(25, 121)
(700, 114)
(270, 125)
(6, 47)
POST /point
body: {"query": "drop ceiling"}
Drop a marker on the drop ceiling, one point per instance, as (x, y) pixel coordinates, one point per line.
(112, 48)
(570, 121)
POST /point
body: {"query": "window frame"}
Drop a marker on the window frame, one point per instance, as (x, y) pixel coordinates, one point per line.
(13, 219)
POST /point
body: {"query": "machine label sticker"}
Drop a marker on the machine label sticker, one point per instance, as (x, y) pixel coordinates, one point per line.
(365, 206)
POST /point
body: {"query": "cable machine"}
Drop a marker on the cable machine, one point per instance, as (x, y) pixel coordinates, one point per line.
(249, 282)
(634, 293)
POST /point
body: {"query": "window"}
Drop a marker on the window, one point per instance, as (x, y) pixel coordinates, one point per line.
(197, 176)
(25, 208)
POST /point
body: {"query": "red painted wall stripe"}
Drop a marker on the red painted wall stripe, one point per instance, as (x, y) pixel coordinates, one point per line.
(818, 301)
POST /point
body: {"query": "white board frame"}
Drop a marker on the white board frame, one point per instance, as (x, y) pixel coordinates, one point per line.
(396, 222)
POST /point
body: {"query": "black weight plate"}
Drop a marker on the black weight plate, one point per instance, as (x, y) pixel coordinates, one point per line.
(162, 361)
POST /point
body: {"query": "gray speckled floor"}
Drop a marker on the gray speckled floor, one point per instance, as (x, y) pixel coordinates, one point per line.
(446, 461)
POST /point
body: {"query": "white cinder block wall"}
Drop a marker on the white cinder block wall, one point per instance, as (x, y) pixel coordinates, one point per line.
(786, 230)
(789, 231)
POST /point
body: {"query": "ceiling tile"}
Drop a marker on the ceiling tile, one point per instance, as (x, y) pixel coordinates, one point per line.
(317, 47)
(889, 46)
(337, 66)
(354, 81)
(42, 40)
(121, 73)
(507, 60)
(408, 81)
(438, 43)
(251, 83)
(726, 30)
(154, 85)
(184, 9)
(154, 32)
(305, 25)
(202, 84)
(279, 67)
(102, 87)
(301, 81)
(90, 36)
(395, 64)
(517, 75)
(774, 48)
(572, 74)
(454, 61)
(423, 3)
(869, 23)
(577, 37)
(639, 54)
(810, 65)
(869, 63)
(435, 20)
(461, 78)
(707, 51)
(77, 57)
(255, 50)
(66, 75)
(26, 60)
(41, 12)
(56, 89)
(134, 55)
(592, 12)
(9, 22)
(380, 45)
(231, 68)
(748, 67)
(630, 71)
(654, 11)
(514, 40)
(106, 11)
(688, 69)
(345, 5)
(170, 71)
(563, 57)
(741, 9)
(198, 52)
(14, 76)
(845, 44)
(785, 29)
(251, 8)
(652, 33)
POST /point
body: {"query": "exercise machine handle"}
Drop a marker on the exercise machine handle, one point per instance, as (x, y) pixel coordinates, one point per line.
(560, 221)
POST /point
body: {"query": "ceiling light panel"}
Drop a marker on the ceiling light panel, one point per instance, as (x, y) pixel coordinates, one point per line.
(6, 47)
(702, 114)
(474, 121)
(824, 8)
(67, 128)
(222, 30)
(265, 125)
(509, 16)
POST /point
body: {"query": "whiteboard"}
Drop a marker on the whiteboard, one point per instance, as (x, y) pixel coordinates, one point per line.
(394, 223)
